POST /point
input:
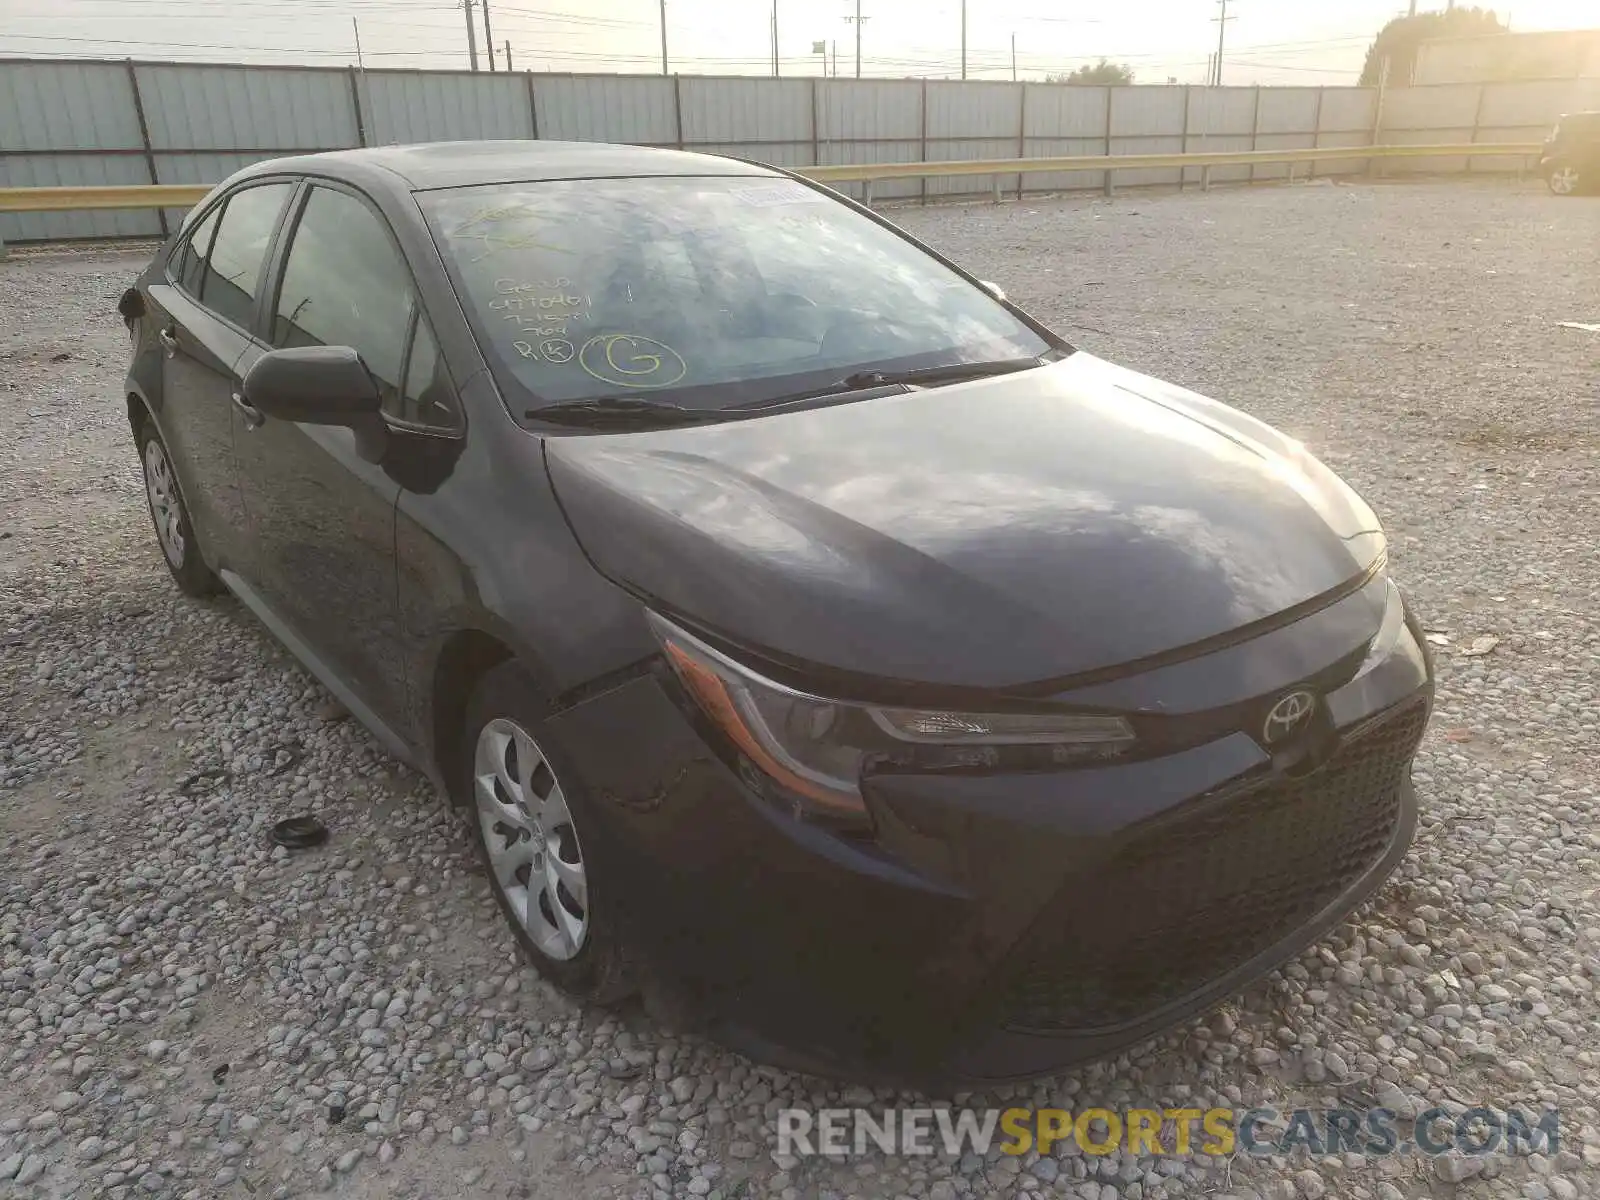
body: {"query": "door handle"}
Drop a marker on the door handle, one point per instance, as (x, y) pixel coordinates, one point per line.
(253, 416)
(169, 340)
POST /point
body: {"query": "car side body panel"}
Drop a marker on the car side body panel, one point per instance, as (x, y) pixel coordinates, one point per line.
(483, 546)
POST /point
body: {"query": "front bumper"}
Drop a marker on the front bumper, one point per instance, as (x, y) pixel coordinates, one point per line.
(995, 927)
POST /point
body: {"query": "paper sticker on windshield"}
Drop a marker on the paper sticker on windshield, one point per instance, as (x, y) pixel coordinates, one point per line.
(772, 194)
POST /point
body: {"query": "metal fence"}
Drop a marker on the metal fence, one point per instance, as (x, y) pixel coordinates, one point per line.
(75, 123)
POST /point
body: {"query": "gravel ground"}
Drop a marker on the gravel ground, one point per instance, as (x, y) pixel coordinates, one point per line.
(188, 1012)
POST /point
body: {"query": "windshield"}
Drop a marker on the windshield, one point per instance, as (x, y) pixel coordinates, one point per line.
(706, 292)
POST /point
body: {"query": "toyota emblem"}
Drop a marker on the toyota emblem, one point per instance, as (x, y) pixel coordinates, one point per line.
(1290, 715)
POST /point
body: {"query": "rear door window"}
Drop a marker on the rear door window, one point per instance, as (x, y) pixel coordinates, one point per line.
(190, 260)
(232, 276)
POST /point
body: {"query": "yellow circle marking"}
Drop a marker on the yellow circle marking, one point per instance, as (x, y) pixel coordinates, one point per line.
(631, 360)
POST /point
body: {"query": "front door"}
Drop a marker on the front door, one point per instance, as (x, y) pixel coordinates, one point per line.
(322, 517)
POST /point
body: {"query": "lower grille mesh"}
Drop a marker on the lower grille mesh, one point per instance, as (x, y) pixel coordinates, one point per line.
(1193, 897)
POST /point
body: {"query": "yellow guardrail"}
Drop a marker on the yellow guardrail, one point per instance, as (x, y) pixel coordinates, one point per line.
(1131, 162)
(74, 199)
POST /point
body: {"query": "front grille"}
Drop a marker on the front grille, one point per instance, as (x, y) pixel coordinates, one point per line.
(1192, 896)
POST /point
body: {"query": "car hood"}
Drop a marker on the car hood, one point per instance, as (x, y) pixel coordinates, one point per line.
(996, 534)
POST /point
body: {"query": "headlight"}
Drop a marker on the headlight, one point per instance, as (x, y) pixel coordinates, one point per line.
(811, 751)
(1383, 643)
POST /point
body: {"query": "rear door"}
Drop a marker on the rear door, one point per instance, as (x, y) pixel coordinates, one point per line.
(203, 312)
(322, 517)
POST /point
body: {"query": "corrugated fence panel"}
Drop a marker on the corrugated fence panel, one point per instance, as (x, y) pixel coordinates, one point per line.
(67, 106)
(1055, 147)
(1420, 116)
(1061, 111)
(746, 110)
(1147, 120)
(853, 153)
(1533, 105)
(246, 108)
(1064, 121)
(974, 110)
(1286, 120)
(1445, 111)
(1348, 110)
(74, 170)
(1289, 110)
(1222, 120)
(870, 109)
(1140, 112)
(1526, 112)
(399, 107)
(1226, 112)
(606, 108)
(872, 120)
(962, 149)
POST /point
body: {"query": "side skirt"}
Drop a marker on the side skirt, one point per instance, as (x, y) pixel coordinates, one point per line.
(280, 629)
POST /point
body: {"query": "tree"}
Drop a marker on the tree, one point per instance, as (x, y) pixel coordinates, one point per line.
(1399, 40)
(1103, 74)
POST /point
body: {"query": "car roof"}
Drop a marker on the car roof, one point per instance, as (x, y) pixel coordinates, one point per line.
(464, 164)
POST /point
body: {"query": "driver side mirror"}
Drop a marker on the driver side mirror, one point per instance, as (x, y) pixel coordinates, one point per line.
(994, 289)
(315, 385)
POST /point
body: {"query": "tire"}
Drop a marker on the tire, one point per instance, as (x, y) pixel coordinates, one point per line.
(170, 517)
(531, 820)
(1565, 179)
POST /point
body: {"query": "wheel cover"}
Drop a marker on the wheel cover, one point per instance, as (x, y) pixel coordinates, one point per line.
(165, 506)
(532, 846)
(1564, 180)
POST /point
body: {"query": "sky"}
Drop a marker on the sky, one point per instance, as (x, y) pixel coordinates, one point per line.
(1268, 41)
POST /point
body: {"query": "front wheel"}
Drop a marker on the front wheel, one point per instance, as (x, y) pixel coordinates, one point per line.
(169, 514)
(1564, 180)
(533, 827)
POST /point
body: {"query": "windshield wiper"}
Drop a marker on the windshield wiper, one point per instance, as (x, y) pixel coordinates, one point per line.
(949, 373)
(638, 412)
(622, 412)
(863, 381)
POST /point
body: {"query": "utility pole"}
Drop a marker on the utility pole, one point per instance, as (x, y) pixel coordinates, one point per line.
(1413, 11)
(472, 34)
(488, 36)
(356, 25)
(774, 38)
(963, 39)
(664, 37)
(858, 18)
(1013, 58)
(1222, 36)
(508, 54)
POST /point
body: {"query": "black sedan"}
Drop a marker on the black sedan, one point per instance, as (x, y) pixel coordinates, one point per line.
(813, 638)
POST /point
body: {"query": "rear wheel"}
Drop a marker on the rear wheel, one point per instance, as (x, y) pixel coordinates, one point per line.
(533, 826)
(169, 514)
(1564, 180)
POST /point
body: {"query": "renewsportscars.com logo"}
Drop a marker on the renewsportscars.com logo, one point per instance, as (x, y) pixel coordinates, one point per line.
(1375, 1132)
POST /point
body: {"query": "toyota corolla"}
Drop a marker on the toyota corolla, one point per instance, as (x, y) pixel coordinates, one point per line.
(804, 630)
